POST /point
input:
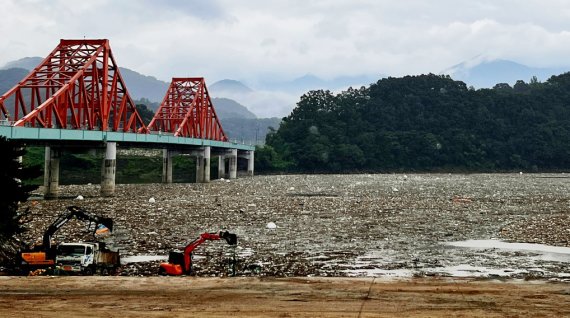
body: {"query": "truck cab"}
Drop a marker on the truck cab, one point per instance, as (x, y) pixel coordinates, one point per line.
(86, 258)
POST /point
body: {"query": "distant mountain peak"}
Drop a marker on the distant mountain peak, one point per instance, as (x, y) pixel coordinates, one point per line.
(485, 72)
(229, 108)
(28, 63)
(229, 86)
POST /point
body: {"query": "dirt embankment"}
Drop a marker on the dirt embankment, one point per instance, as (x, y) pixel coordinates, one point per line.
(274, 297)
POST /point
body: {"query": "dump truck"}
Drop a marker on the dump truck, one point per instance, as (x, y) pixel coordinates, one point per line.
(86, 258)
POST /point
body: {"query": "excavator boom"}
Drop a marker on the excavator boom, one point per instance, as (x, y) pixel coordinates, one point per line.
(179, 266)
(80, 214)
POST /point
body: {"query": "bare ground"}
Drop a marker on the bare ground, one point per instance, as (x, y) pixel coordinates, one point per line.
(278, 297)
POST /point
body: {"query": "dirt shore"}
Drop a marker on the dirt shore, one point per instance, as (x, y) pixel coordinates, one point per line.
(279, 297)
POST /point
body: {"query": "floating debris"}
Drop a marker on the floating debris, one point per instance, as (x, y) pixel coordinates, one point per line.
(363, 228)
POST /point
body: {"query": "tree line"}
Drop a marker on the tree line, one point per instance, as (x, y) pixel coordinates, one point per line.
(425, 123)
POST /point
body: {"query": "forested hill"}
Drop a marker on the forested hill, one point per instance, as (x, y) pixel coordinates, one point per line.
(426, 123)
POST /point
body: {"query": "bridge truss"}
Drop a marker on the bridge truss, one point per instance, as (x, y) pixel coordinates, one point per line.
(187, 111)
(78, 86)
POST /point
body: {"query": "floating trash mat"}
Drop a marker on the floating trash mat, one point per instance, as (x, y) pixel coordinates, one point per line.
(143, 258)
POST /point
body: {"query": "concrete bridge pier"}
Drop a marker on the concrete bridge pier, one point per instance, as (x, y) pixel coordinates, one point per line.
(167, 165)
(221, 166)
(51, 172)
(233, 164)
(108, 170)
(203, 165)
(250, 163)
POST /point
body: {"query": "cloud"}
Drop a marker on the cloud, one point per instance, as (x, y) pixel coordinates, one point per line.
(288, 39)
(263, 103)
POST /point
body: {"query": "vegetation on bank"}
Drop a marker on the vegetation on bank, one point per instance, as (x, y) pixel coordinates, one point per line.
(85, 167)
(425, 123)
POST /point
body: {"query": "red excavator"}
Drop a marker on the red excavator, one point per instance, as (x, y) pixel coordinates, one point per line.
(180, 263)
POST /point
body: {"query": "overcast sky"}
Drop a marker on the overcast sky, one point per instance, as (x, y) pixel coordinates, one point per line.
(259, 39)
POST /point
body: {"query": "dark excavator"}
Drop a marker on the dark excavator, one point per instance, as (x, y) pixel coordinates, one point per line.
(180, 263)
(44, 256)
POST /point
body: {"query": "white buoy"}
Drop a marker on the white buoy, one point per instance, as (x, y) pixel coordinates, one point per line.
(151, 200)
(271, 225)
(79, 197)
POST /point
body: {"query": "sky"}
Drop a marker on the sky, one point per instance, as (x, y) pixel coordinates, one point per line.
(257, 41)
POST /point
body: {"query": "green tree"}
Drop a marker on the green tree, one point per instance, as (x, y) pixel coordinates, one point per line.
(429, 123)
(15, 190)
(268, 160)
(145, 113)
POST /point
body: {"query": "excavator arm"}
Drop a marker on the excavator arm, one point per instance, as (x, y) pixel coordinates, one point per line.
(230, 238)
(179, 269)
(79, 213)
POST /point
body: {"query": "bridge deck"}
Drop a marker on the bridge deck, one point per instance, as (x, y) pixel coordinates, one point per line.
(44, 135)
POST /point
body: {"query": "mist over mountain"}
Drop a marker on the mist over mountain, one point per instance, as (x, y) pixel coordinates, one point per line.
(309, 82)
(228, 86)
(482, 73)
(229, 108)
(249, 130)
(27, 63)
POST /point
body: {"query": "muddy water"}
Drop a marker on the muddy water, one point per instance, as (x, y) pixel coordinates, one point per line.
(343, 225)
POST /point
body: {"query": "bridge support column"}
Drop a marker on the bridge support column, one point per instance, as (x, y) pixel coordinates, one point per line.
(108, 170)
(221, 166)
(166, 166)
(250, 163)
(203, 166)
(51, 172)
(233, 164)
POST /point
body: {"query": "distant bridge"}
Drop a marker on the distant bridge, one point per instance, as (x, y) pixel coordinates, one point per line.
(76, 98)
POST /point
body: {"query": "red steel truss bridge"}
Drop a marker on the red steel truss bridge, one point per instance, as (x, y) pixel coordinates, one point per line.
(76, 97)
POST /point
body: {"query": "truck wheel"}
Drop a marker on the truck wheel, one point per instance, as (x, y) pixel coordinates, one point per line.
(104, 272)
(161, 271)
(88, 271)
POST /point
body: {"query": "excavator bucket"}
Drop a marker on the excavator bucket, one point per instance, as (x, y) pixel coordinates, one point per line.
(231, 238)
